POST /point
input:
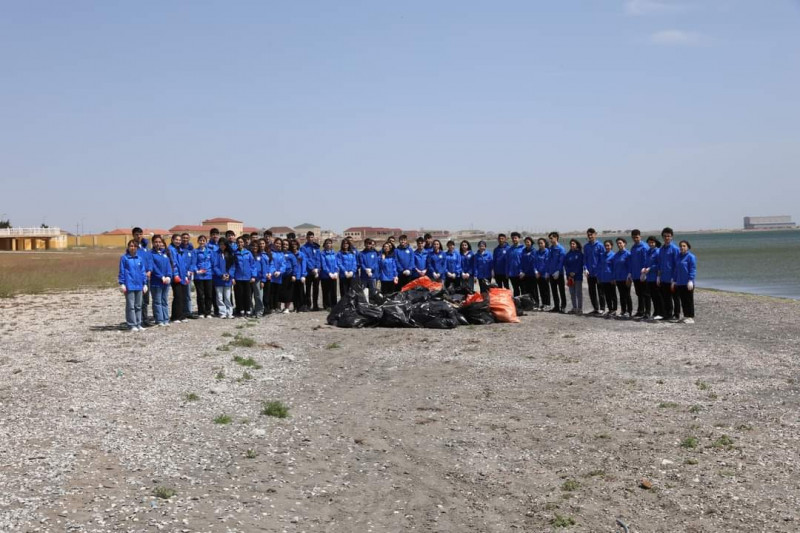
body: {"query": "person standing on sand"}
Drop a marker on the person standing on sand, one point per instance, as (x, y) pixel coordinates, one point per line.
(483, 267)
(299, 273)
(203, 284)
(213, 246)
(277, 280)
(437, 268)
(593, 262)
(223, 270)
(528, 274)
(606, 279)
(555, 272)
(388, 269)
(329, 273)
(180, 281)
(132, 280)
(683, 280)
(540, 257)
(649, 274)
(515, 263)
(638, 262)
(404, 256)
(622, 277)
(467, 265)
(573, 266)
(452, 266)
(311, 252)
(666, 268)
(347, 264)
(259, 269)
(369, 263)
(420, 260)
(163, 271)
(141, 244)
(242, 278)
(500, 256)
(188, 250)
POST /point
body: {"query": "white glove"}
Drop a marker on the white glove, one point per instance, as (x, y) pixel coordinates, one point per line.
(165, 280)
(556, 274)
(316, 272)
(276, 274)
(522, 275)
(369, 272)
(690, 285)
(303, 279)
(144, 289)
(451, 275)
(123, 289)
(436, 276)
(658, 280)
(643, 277)
(465, 275)
(585, 273)
(348, 275)
(406, 272)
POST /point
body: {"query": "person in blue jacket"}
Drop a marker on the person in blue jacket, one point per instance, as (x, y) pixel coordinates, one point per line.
(484, 263)
(145, 254)
(223, 272)
(528, 274)
(388, 269)
(540, 258)
(188, 250)
(667, 258)
(437, 269)
(369, 263)
(347, 263)
(638, 262)
(278, 275)
(452, 266)
(683, 279)
(593, 262)
(467, 265)
(203, 273)
(500, 255)
(649, 274)
(213, 245)
(242, 278)
(404, 256)
(623, 277)
(265, 251)
(312, 254)
(299, 272)
(180, 281)
(606, 280)
(160, 280)
(132, 283)
(259, 271)
(420, 260)
(514, 265)
(329, 273)
(555, 272)
(573, 266)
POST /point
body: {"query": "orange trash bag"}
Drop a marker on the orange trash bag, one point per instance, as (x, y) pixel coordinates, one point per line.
(472, 298)
(501, 305)
(424, 281)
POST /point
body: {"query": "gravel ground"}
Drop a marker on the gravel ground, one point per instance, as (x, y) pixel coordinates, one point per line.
(524, 427)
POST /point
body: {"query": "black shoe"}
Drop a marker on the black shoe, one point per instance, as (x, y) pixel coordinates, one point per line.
(315, 308)
(555, 310)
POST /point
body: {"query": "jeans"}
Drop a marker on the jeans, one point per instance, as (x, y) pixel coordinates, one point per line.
(187, 304)
(146, 300)
(576, 294)
(133, 309)
(160, 295)
(258, 302)
(224, 301)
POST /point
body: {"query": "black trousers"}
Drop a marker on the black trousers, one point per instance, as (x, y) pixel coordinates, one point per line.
(403, 280)
(516, 284)
(597, 297)
(670, 302)
(483, 285)
(625, 301)
(654, 292)
(243, 297)
(687, 300)
(557, 287)
(328, 293)
(502, 281)
(178, 299)
(448, 282)
(345, 284)
(298, 296)
(529, 286)
(275, 295)
(266, 297)
(287, 290)
(544, 291)
(205, 296)
(610, 294)
(312, 291)
(390, 287)
(641, 295)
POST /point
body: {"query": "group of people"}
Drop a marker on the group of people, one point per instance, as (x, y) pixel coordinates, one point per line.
(251, 275)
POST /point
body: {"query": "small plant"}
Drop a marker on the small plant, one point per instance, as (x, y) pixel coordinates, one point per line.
(667, 405)
(220, 374)
(690, 461)
(727, 473)
(276, 409)
(723, 442)
(689, 442)
(250, 324)
(712, 396)
(164, 493)
(244, 342)
(602, 436)
(224, 348)
(702, 385)
(249, 362)
(246, 376)
(250, 453)
(695, 409)
(191, 397)
(568, 336)
(227, 334)
(562, 521)
(244, 421)
(240, 326)
(595, 473)
(570, 485)
(223, 419)
(333, 346)
(744, 427)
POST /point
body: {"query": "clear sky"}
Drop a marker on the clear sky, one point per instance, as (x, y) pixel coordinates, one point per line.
(456, 114)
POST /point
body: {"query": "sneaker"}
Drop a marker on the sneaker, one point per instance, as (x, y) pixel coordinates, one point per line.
(688, 320)
(285, 311)
(161, 325)
(658, 317)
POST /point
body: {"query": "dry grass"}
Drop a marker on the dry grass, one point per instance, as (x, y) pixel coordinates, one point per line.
(36, 272)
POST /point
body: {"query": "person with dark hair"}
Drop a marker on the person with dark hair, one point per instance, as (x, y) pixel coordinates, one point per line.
(515, 263)
(540, 259)
(223, 270)
(265, 285)
(230, 236)
(203, 273)
(467, 265)
(160, 280)
(638, 262)
(555, 270)
(180, 281)
(213, 246)
(299, 272)
(420, 259)
(132, 280)
(622, 278)
(484, 263)
(404, 256)
(329, 273)
(452, 266)
(188, 250)
(683, 279)
(242, 278)
(500, 255)
(667, 259)
(437, 268)
(528, 272)
(573, 266)
(347, 264)
(288, 278)
(593, 262)
(256, 286)
(607, 282)
(312, 253)
(649, 274)
(388, 269)
(146, 257)
(369, 263)
(428, 243)
(278, 276)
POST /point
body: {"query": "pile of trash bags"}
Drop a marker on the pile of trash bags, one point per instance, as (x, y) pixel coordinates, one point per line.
(423, 304)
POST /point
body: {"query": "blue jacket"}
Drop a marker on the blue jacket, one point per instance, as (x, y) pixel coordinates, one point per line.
(260, 266)
(500, 256)
(369, 259)
(606, 273)
(468, 263)
(685, 269)
(515, 260)
(573, 264)
(244, 265)
(201, 260)
(388, 268)
(540, 258)
(436, 264)
(162, 267)
(312, 253)
(594, 257)
(219, 268)
(555, 261)
(279, 264)
(638, 259)
(146, 255)
(420, 262)
(666, 262)
(295, 265)
(622, 265)
(182, 261)
(452, 262)
(346, 262)
(484, 263)
(327, 264)
(405, 258)
(526, 262)
(131, 272)
(652, 263)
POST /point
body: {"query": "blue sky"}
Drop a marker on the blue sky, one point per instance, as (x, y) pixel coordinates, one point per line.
(494, 115)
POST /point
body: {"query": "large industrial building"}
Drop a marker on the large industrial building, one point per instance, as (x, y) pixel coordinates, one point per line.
(775, 222)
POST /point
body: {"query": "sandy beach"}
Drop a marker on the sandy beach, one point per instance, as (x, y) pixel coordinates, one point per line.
(557, 423)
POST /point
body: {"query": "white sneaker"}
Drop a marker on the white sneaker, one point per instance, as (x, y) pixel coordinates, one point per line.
(141, 328)
(658, 317)
(688, 320)
(286, 311)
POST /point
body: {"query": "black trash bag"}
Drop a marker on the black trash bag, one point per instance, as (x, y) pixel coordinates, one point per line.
(434, 314)
(477, 312)
(354, 311)
(524, 302)
(412, 296)
(396, 315)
